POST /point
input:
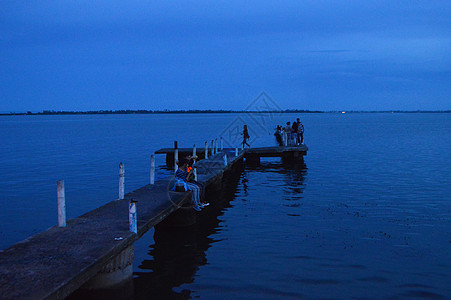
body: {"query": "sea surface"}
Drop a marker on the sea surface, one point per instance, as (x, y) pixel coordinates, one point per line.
(367, 215)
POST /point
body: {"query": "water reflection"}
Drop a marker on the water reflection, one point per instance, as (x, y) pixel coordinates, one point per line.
(178, 252)
(294, 173)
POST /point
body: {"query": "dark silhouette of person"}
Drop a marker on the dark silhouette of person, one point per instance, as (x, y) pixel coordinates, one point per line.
(300, 135)
(245, 136)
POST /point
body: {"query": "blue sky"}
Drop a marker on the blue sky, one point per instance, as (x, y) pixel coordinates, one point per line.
(317, 55)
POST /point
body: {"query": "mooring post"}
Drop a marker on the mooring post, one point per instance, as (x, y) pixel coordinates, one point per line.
(222, 143)
(176, 156)
(216, 145)
(121, 181)
(242, 146)
(212, 151)
(132, 218)
(206, 150)
(236, 151)
(194, 150)
(152, 169)
(225, 159)
(61, 203)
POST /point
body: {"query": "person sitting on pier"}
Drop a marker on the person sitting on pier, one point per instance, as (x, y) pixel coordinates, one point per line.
(182, 175)
(246, 136)
(191, 179)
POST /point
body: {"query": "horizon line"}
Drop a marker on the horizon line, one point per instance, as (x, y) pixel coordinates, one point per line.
(168, 111)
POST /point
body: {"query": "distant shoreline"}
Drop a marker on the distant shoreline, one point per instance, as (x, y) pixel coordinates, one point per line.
(128, 112)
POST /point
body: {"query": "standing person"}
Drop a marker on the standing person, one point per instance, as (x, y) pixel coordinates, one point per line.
(294, 128)
(301, 132)
(245, 136)
(288, 132)
(278, 135)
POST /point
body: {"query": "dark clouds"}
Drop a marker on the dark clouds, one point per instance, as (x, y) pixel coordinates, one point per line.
(77, 55)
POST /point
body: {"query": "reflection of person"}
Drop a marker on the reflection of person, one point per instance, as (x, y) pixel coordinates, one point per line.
(245, 136)
(183, 175)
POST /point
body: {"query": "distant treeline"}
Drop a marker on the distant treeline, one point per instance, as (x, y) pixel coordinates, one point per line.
(207, 111)
(142, 111)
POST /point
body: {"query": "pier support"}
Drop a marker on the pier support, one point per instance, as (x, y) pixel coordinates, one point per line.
(115, 273)
(253, 159)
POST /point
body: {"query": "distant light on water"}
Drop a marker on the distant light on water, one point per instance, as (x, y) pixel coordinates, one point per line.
(343, 112)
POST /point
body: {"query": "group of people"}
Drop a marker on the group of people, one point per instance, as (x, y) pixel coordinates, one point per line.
(285, 135)
(294, 134)
(185, 176)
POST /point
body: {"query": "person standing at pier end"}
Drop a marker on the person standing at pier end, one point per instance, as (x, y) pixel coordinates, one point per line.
(300, 132)
(294, 128)
(288, 131)
(245, 136)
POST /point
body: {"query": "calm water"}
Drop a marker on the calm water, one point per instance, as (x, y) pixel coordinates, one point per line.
(367, 216)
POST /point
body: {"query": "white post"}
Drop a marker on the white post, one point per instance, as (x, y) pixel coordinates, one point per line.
(212, 147)
(176, 158)
(225, 159)
(216, 146)
(61, 203)
(236, 151)
(152, 169)
(132, 218)
(222, 144)
(194, 150)
(206, 150)
(121, 181)
(195, 173)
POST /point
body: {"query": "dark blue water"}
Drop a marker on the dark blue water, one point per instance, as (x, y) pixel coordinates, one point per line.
(367, 216)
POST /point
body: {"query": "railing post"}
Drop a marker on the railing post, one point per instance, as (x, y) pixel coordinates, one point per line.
(236, 151)
(121, 181)
(225, 159)
(206, 150)
(152, 169)
(132, 218)
(216, 145)
(212, 148)
(176, 156)
(61, 203)
(222, 143)
(194, 150)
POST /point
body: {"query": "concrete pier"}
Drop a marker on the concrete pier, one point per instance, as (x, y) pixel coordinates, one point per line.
(95, 247)
(95, 250)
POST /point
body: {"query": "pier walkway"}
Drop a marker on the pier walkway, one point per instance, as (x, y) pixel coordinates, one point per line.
(55, 263)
